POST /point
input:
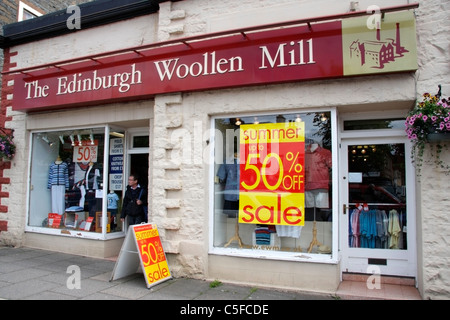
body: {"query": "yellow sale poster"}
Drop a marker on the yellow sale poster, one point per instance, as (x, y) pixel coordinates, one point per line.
(151, 253)
(272, 161)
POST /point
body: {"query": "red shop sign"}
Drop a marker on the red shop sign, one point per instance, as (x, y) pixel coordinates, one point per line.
(276, 56)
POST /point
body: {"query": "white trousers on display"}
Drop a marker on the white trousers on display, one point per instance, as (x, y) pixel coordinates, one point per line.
(58, 199)
(83, 195)
(317, 198)
(288, 231)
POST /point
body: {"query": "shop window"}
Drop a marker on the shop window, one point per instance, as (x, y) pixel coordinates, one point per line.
(68, 189)
(26, 12)
(374, 124)
(140, 141)
(273, 183)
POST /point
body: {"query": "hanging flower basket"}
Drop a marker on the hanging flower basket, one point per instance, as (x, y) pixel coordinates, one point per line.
(428, 124)
(7, 146)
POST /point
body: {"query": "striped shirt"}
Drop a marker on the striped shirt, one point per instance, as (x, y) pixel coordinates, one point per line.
(58, 174)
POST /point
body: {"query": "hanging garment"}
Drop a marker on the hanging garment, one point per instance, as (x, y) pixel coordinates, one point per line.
(394, 229)
(385, 221)
(368, 227)
(354, 231)
(58, 174)
(318, 163)
(229, 175)
(58, 182)
(382, 229)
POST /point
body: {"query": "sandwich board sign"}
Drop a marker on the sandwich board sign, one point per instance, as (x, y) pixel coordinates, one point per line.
(142, 249)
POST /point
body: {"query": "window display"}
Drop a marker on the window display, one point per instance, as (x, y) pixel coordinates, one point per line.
(67, 180)
(273, 184)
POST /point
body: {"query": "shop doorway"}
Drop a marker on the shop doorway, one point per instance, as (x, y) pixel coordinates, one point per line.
(138, 151)
(139, 166)
(138, 156)
(377, 220)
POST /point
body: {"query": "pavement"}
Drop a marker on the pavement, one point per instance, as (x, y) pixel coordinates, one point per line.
(35, 274)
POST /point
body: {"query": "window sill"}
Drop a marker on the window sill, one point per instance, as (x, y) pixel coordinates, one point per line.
(67, 232)
(275, 255)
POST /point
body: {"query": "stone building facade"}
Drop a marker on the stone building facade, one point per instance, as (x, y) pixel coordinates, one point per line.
(183, 128)
(9, 13)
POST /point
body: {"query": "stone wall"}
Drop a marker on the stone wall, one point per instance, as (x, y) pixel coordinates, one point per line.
(433, 29)
(178, 187)
(11, 233)
(434, 221)
(12, 224)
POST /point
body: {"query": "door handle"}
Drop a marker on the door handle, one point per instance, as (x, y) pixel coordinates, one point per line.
(345, 208)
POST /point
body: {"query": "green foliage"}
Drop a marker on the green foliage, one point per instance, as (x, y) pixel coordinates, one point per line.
(430, 116)
(7, 146)
(215, 283)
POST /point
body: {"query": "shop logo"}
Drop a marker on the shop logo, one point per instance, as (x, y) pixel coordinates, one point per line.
(74, 280)
(376, 53)
(378, 43)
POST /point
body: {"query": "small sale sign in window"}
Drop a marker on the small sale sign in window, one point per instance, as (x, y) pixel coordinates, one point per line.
(85, 152)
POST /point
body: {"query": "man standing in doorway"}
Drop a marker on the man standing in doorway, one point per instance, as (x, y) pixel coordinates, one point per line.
(134, 202)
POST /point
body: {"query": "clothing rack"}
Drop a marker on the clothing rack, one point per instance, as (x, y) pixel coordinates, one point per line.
(377, 228)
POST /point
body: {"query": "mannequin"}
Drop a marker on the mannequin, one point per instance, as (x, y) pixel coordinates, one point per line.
(317, 167)
(228, 175)
(88, 182)
(112, 206)
(58, 183)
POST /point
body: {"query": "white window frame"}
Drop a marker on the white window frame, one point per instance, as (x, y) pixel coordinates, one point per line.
(74, 233)
(381, 136)
(332, 258)
(22, 7)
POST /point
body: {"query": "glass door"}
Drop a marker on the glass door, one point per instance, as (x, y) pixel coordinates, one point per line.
(377, 212)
